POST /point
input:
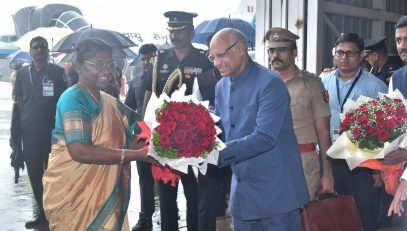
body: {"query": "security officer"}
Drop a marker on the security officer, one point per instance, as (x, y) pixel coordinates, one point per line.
(171, 68)
(36, 92)
(382, 66)
(309, 108)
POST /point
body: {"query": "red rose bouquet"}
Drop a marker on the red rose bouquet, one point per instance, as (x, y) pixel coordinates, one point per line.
(183, 134)
(371, 129)
(375, 122)
(186, 130)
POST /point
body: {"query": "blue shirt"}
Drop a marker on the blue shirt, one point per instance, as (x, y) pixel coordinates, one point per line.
(367, 85)
(262, 148)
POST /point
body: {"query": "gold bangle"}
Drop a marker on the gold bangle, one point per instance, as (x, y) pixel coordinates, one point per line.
(122, 157)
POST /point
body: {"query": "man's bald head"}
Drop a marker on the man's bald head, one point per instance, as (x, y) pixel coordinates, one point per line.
(230, 34)
(228, 51)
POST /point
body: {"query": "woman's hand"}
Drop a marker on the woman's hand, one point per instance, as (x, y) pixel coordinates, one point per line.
(136, 145)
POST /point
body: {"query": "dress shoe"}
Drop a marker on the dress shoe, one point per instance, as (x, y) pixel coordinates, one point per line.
(143, 225)
(39, 223)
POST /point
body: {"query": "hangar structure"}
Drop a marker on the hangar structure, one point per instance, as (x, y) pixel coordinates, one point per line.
(51, 15)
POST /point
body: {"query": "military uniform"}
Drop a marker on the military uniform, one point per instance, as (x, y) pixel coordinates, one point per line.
(167, 74)
(308, 102)
(392, 64)
(386, 71)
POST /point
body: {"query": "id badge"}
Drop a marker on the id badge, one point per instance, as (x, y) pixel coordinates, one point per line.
(48, 88)
(336, 135)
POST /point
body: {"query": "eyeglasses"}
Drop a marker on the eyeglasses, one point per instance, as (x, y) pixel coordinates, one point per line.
(221, 54)
(278, 49)
(347, 53)
(101, 65)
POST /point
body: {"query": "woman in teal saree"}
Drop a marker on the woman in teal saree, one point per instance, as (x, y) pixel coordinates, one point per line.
(87, 183)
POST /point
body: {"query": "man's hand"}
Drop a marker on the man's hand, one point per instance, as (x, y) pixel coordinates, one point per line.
(396, 206)
(395, 156)
(326, 183)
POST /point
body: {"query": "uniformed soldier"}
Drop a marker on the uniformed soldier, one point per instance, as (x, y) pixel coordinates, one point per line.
(171, 68)
(382, 66)
(309, 108)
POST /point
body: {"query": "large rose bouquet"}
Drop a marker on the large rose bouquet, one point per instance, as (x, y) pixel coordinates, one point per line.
(186, 130)
(183, 134)
(371, 129)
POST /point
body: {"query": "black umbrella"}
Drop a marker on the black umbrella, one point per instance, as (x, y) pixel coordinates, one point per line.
(112, 38)
(17, 159)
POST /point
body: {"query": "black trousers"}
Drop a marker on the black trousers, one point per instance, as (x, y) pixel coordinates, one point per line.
(168, 203)
(36, 149)
(211, 197)
(359, 184)
(146, 183)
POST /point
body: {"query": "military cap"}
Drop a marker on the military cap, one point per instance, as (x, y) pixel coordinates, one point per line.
(401, 22)
(279, 37)
(375, 44)
(178, 20)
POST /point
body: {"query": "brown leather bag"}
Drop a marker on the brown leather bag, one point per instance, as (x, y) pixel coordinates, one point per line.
(337, 213)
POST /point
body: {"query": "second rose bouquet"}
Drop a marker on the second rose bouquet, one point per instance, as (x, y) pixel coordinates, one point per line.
(375, 122)
(370, 130)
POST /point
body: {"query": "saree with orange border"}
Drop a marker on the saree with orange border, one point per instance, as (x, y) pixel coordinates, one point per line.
(81, 196)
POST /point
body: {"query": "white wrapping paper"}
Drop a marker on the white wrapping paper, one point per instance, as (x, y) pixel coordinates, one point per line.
(181, 164)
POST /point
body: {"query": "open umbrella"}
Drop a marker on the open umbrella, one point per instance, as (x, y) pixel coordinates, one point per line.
(51, 34)
(208, 27)
(19, 56)
(112, 38)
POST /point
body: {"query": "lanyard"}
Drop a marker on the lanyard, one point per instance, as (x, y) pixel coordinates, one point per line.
(31, 78)
(349, 91)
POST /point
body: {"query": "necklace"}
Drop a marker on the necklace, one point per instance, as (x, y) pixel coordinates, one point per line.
(95, 97)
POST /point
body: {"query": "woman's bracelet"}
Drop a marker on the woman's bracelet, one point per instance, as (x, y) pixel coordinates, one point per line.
(122, 157)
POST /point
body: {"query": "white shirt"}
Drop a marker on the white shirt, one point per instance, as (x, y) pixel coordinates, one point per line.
(404, 176)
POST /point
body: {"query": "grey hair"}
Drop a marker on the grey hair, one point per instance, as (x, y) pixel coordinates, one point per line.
(237, 35)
